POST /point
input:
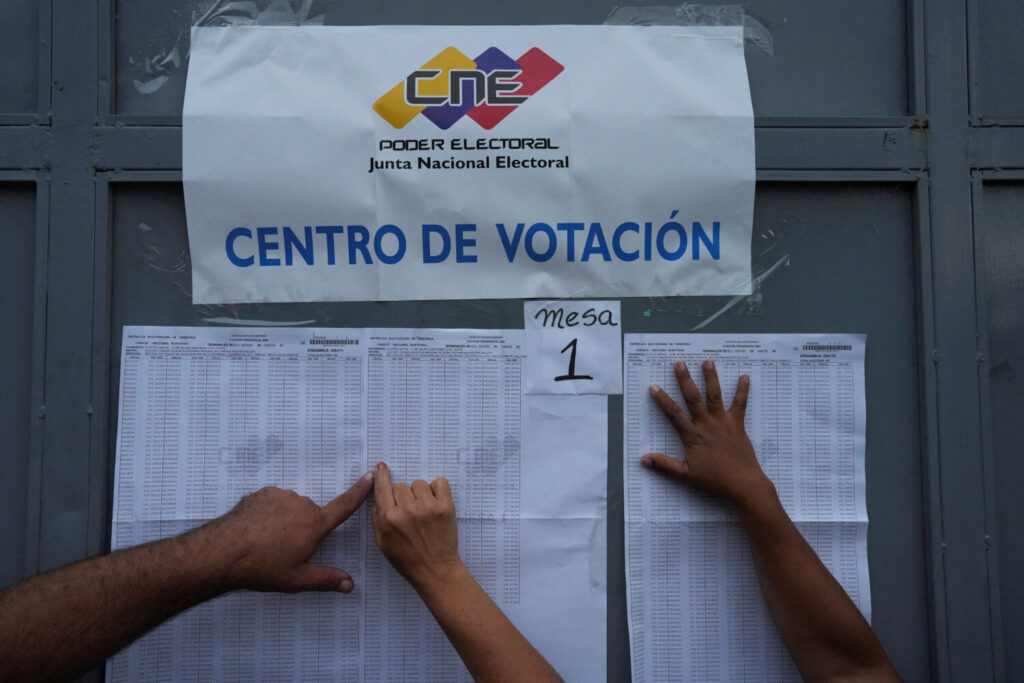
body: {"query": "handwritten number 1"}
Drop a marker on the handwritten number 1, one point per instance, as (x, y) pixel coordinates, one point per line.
(572, 364)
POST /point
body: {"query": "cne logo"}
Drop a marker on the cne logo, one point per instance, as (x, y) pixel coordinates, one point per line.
(451, 85)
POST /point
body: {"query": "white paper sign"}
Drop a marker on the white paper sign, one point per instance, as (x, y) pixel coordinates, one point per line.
(401, 162)
(573, 347)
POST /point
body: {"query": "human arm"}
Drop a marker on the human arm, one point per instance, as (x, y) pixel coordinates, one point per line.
(416, 530)
(59, 623)
(824, 631)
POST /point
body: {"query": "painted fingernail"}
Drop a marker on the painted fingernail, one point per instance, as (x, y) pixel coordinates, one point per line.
(654, 388)
(381, 466)
(346, 586)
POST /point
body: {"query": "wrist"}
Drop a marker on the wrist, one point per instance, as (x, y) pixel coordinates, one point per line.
(756, 499)
(213, 557)
(439, 577)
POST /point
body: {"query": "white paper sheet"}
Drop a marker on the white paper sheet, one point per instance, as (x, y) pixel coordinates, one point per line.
(695, 610)
(209, 414)
(628, 170)
(573, 347)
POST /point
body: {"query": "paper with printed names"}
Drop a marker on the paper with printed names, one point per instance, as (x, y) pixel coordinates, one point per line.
(207, 415)
(695, 608)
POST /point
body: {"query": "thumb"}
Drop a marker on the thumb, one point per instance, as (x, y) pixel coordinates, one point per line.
(662, 463)
(314, 577)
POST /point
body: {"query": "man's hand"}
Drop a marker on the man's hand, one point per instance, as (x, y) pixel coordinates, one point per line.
(415, 528)
(719, 456)
(270, 536)
(55, 625)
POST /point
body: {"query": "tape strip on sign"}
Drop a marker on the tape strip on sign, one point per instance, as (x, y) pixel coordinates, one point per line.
(390, 163)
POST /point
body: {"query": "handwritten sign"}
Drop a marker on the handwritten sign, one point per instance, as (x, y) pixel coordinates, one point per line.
(573, 347)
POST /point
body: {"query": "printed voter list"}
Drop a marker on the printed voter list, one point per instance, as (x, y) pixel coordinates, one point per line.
(398, 162)
(695, 609)
(207, 415)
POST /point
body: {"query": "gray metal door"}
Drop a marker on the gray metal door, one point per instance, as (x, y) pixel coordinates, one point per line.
(890, 154)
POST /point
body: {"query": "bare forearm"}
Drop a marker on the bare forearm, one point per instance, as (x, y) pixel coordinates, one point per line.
(824, 631)
(59, 623)
(488, 643)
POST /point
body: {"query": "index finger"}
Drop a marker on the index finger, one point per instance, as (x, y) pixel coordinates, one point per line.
(383, 497)
(676, 416)
(342, 507)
